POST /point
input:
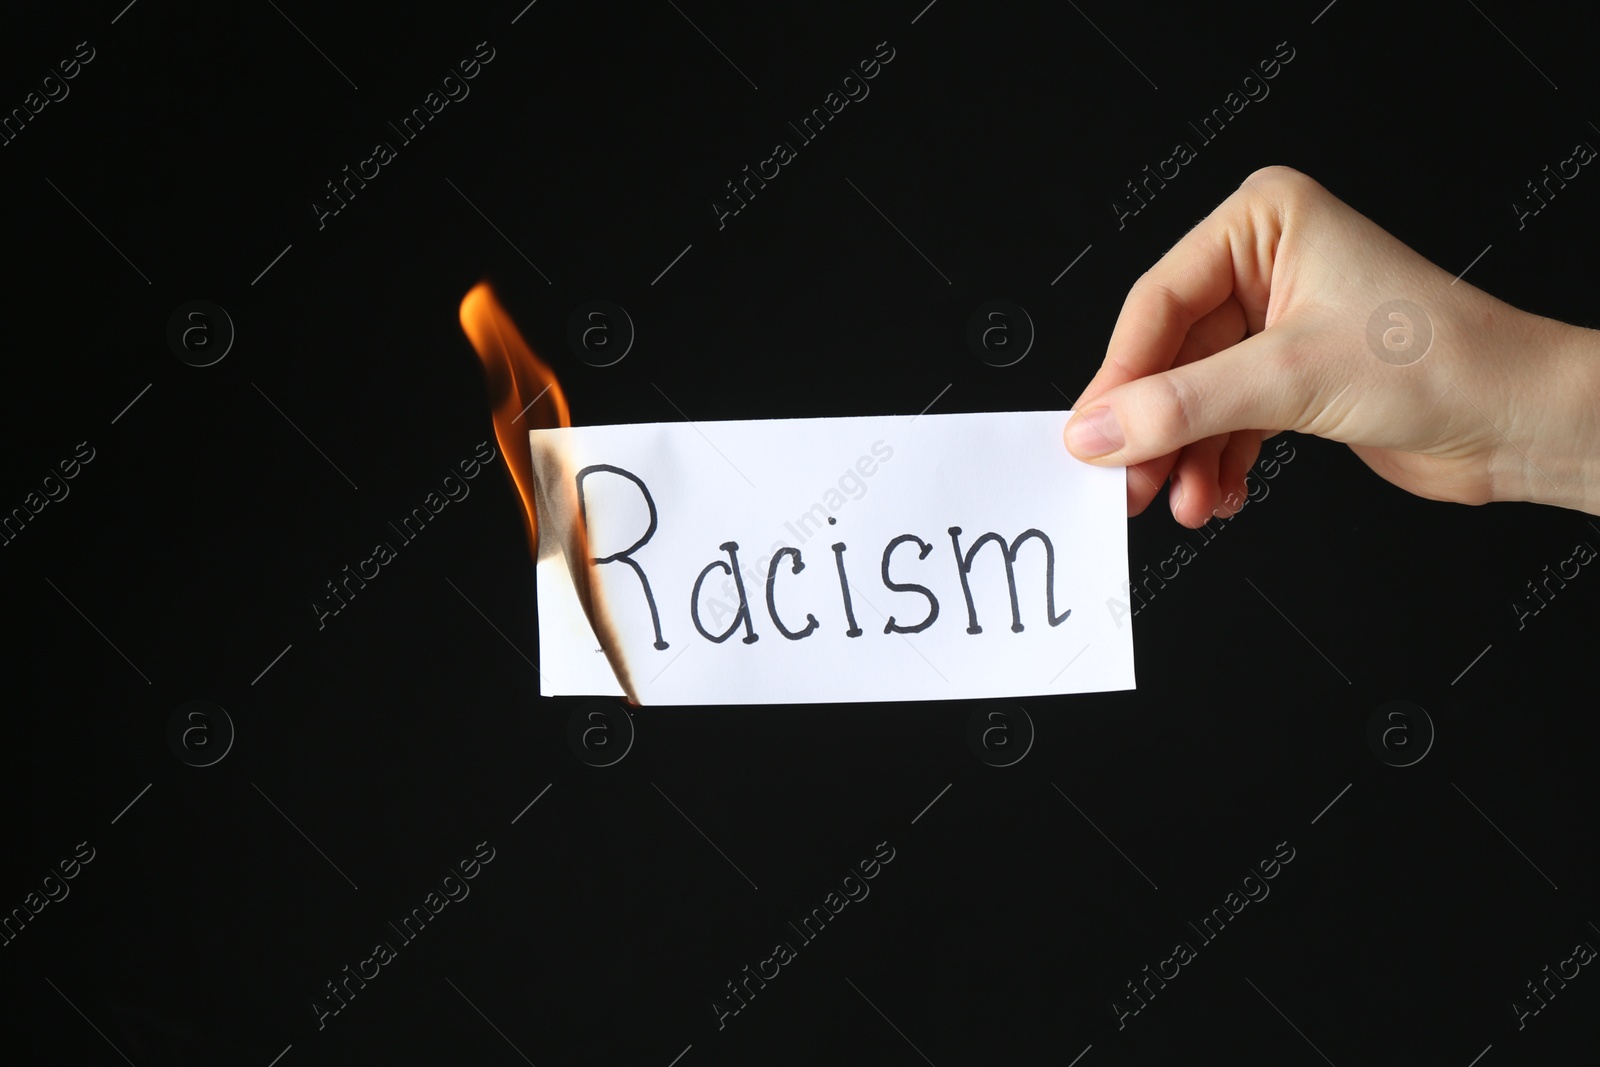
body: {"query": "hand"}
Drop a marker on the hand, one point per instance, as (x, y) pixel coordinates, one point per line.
(1257, 321)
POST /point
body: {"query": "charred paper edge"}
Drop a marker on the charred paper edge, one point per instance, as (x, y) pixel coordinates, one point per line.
(560, 530)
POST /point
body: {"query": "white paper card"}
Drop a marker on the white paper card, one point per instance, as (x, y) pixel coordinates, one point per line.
(919, 514)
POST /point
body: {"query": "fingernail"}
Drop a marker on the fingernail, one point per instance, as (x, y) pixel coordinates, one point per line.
(1177, 501)
(1094, 433)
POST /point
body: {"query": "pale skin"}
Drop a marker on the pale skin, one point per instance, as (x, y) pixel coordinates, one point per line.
(1257, 322)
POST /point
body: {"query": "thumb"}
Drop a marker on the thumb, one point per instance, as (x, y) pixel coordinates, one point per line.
(1258, 384)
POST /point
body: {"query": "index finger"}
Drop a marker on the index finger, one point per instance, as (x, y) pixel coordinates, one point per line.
(1230, 252)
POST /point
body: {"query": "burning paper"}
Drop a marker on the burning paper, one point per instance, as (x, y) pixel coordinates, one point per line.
(932, 557)
(828, 560)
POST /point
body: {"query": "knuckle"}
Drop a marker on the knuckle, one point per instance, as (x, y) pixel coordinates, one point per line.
(1288, 360)
(1276, 175)
(1292, 369)
(1158, 301)
(1285, 191)
(1171, 410)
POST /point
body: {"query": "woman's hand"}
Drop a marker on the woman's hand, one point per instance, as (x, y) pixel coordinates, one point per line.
(1285, 309)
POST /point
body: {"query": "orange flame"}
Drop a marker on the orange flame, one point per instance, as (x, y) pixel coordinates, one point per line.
(523, 392)
(524, 395)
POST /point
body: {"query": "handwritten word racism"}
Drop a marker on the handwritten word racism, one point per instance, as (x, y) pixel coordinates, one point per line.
(908, 558)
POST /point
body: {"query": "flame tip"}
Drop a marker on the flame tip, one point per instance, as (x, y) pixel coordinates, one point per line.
(523, 391)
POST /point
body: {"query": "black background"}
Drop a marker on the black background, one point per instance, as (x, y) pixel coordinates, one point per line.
(409, 729)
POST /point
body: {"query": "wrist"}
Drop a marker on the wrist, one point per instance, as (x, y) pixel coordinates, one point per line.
(1562, 466)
